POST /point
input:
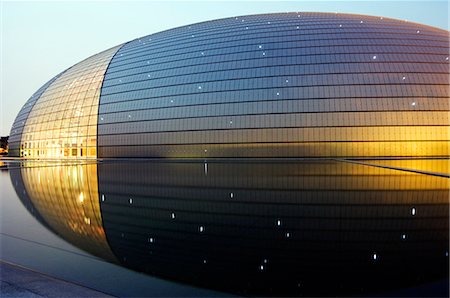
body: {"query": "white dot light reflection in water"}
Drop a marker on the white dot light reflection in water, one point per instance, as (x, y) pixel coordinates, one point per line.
(413, 211)
(374, 256)
(279, 222)
(201, 229)
(172, 215)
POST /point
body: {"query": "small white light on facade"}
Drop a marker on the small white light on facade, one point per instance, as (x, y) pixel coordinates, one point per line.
(374, 57)
(201, 229)
(172, 215)
(413, 211)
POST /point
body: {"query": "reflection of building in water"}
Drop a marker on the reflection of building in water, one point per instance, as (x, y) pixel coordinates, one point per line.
(272, 85)
(281, 224)
(66, 199)
(255, 228)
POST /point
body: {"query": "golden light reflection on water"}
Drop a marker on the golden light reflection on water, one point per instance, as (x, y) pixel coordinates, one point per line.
(167, 218)
(428, 165)
(67, 198)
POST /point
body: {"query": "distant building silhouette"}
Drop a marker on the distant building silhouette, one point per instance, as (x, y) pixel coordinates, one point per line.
(4, 145)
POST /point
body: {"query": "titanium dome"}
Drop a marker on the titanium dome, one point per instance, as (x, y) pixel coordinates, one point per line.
(272, 85)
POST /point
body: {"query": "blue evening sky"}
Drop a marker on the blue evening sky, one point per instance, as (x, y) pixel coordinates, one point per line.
(40, 39)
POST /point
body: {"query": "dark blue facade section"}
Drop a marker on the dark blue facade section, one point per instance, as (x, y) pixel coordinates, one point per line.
(279, 85)
(15, 135)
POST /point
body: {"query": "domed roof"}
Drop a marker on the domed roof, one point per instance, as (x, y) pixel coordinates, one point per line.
(272, 85)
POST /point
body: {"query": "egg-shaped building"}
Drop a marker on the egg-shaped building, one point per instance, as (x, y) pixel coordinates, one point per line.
(272, 85)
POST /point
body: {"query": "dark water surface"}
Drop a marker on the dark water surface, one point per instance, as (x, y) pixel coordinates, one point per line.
(272, 228)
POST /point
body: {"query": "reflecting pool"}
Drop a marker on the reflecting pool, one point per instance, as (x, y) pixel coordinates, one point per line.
(248, 227)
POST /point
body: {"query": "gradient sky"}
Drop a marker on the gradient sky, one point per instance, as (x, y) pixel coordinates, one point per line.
(40, 39)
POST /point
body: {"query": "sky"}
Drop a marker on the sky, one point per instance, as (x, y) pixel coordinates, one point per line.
(39, 39)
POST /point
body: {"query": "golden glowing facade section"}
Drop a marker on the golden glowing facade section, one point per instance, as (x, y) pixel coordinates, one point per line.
(66, 196)
(63, 122)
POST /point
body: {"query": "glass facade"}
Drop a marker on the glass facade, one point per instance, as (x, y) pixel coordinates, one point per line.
(274, 85)
(62, 120)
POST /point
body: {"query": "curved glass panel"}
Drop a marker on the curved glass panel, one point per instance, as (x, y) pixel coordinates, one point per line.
(63, 121)
(279, 85)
